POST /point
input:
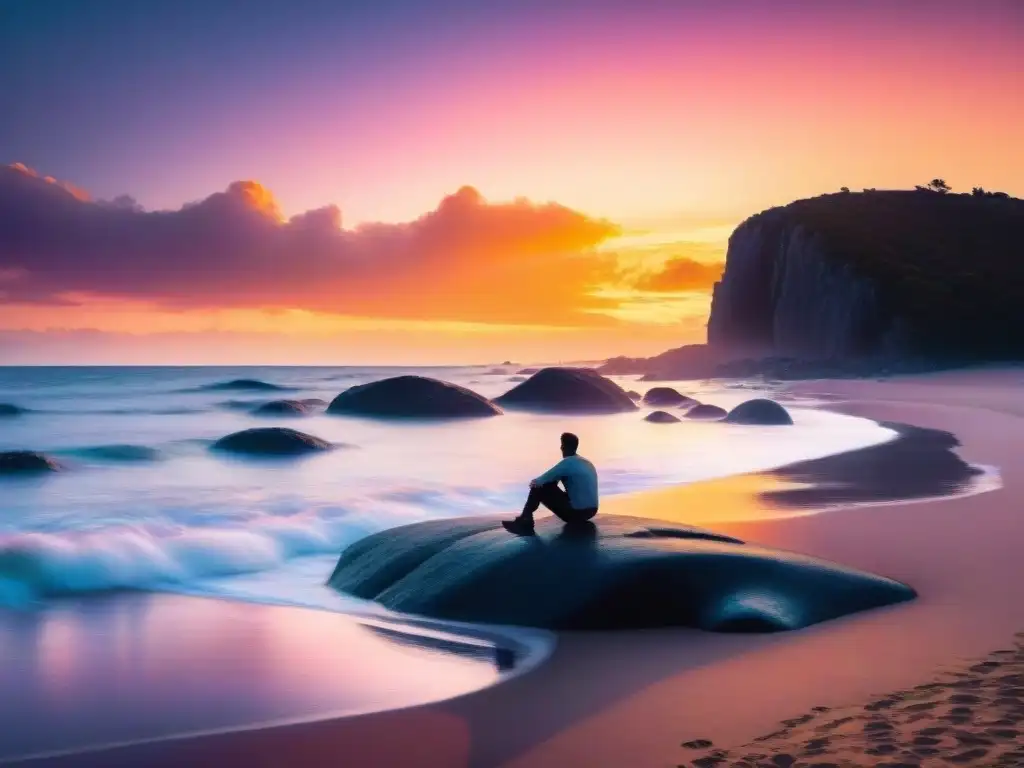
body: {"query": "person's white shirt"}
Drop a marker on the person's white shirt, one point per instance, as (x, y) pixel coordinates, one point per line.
(579, 478)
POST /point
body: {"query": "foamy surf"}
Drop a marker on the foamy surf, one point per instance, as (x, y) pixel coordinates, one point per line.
(145, 504)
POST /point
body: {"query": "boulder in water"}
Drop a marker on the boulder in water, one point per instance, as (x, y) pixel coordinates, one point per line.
(412, 397)
(283, 408)
(706, 412)
(26, 463)
(661, 417)
(759, 412)
(620, 573)
(247, 385)
(662, 396)
(634, 395)
(271, 441)
(568, 390)
(8, 409)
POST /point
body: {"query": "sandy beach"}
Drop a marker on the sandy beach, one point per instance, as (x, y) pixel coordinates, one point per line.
(635, 699)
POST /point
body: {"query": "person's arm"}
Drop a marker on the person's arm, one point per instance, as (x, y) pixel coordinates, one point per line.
(552, 475)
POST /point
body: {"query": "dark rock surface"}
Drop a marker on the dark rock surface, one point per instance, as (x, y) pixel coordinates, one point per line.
(412, 397)
(660, 396)
(634, 395)
(893, 274)
(9, 409)
(271, 441)
(621, 573)
(26, 462)
(661, 417)
(246, 385)
(568, 390)
(759, 411)
(283, 408)
(692, 361)
(706, 411)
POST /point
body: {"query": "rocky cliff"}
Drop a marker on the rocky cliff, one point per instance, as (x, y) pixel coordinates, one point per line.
(876, 275)
(783, 294)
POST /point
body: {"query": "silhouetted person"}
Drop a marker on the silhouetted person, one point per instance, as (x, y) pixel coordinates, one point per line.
(576, 504)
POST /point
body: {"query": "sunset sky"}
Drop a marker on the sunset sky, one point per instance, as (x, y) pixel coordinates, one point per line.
(316, 182)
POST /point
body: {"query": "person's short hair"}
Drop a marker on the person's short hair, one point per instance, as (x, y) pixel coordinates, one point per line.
(570, 441)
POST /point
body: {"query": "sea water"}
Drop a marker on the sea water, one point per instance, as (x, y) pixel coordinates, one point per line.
(144, 503)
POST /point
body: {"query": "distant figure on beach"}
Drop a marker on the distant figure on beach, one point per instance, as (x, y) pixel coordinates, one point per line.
(576, 504)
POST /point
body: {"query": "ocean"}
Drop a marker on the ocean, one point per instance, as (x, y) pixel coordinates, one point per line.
(145, 504)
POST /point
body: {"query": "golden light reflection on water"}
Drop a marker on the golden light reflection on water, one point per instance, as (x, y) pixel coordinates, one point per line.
(728, 500)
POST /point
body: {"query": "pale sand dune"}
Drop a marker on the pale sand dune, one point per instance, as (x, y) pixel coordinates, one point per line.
(633, 699)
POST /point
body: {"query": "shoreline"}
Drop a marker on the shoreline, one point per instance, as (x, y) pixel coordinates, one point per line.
(632, 698)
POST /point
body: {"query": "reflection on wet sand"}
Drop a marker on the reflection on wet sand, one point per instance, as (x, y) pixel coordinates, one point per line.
(138, 666)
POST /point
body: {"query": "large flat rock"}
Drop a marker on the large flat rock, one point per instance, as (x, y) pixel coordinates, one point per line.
(623, 572)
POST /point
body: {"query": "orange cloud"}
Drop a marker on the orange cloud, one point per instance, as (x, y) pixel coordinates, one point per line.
(683, 274)
(468, 260)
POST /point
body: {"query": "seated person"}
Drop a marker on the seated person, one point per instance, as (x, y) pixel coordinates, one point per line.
(576, 504)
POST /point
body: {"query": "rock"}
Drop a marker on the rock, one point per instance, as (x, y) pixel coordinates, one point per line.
(621, 573)
(816, 279)
(412, 397)
(313, 402)
(665, 396)
(527, 371)
(516, 379)
(246, 385)
(508, 362)
(271, 441)
(706, 412)
(633, 395)
(283, 408)
(7, 409)
(661, 417)
(693, 361)
(26, 462)
(759, 411)
(568, 390)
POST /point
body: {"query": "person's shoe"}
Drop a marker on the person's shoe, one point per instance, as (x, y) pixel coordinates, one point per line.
(519, 526)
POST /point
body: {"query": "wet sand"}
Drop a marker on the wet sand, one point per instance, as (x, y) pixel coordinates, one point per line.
(634, 698)
(142, 666)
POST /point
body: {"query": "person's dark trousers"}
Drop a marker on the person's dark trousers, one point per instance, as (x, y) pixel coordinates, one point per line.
(557, 500)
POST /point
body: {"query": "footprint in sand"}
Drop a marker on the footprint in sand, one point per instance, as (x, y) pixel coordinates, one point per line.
(698, 744)
(963, 698)
(968, 756)
(881, 749)
(795, 721)
(832, 724)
